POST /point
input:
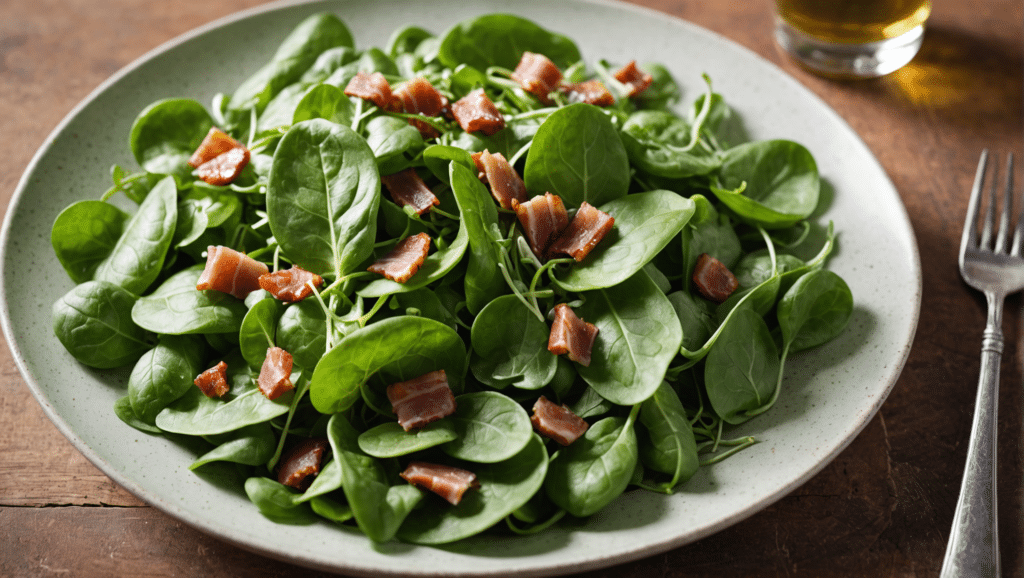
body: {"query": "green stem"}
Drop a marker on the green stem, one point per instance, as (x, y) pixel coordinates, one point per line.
(778, 387)
(536, 527)
(742, 444)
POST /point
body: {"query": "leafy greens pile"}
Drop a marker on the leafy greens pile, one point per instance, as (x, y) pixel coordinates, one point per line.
(669, 369)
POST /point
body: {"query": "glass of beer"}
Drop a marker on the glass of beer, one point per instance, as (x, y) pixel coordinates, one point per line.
(851, 38)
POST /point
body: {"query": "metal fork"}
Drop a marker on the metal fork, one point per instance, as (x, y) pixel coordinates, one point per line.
(994, 267)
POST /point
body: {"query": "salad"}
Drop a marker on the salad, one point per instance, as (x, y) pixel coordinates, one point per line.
(633, 343)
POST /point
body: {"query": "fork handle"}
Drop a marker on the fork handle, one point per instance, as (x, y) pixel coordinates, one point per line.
(973, 548)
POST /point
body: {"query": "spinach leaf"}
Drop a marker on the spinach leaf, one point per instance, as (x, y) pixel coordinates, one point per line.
(123, 411)
(163, 374)
(489, 427)
(695, 317)
(435, 266)
(83, 236)
(166, 133)
(331, 509)
(577, 155)
(663, 91)
(251, 445)
(389, 440)
(479, 215)
(192, 223)
(438, 158)
(658, 142)
(93, 322)
(815, 310)
(326, 102)
(258, 330)
(671, 447)
(756, 267)
(709, 232)
(741, 368)
(278, 502)
(423, 303)
(177, 307)
(302, 331)
(500, 40)
(406, 39)
(195, 414)
(390, 139)
(322, 197)
(510, 346)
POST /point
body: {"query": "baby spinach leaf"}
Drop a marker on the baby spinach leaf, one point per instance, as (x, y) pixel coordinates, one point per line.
(438, 158)
(672, 449)
(258, 331)
(500, 40)
(490, 427)
(759, 298)
(399, 348)
(591, 404)
(391, 138)
(251, 445)
(166, 133)
(815, 310)
(389, 440)
(741, 368)
(756, 267)
(644, 224)
(322, 197)
(331, 509)
(510, 346)
(195, 414)
(192, 223)
(479, 215)
(163, 374)
(663, 90)
(406, 39)
(280, 111)
(278, 502)
(435, 266)
(326, 102)
(123, 411)
(374, 59)
(658, 142)
(638, 335)
(422, 303)
(302, 331)
(329, 61)
(93, 322)
(695, 317)
(577, 155)
(83, 236)
(709, 232)
(177, 307)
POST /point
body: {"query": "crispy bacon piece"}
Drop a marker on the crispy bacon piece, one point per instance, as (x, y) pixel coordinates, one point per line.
(302, 463)
(713, 279)
(291, 285)
(418, 96)
(537, 75)
(407, 188)
(506, 184)
(224, 168)
(571, 335)
(557, 422)
(421, 400)
(371, 87)
(276, 374)
(590, 91)
(586, 230)
(636, 80)
(446, 481)
(214, 381)
(215, 143)
(475, 112)
(402, 262)
(231, 272)
(543, 218)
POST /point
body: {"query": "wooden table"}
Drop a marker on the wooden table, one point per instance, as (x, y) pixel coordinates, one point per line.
(882, 508)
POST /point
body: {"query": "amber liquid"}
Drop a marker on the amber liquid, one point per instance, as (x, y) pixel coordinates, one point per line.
(854, 21)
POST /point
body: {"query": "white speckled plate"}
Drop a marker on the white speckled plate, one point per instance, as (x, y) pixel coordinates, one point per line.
(830, 393)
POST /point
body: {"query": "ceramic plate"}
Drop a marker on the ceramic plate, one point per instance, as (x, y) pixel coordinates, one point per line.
(830, 393)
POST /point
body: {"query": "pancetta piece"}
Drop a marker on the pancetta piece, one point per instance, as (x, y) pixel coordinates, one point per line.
(302, 463)
(506, 184)
(591, 92)
(421, 400)
(584, 232)
(418, 96)
(402, 262)
(537, 75)
(636, 80)
(276, 374)
(446, 481)
(407, 188)
(557, 422)
(476, 113)
(231, 272)
(219, 159)
(371, 87)
(571, 335)
(215, 143)
(543, 218)
(713, 279)
(291, 285)
(214, 381)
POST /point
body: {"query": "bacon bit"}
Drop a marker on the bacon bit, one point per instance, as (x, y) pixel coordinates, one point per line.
(543, 218)
(586, 230)
(571, 335)
(302, 463)
(481, 173)
(276, 374)
(291, 285)
(537, 75)
(506, 184)
(402, 262)
(231, 272)
(591, 92)
(418, 96)
(407, 188)
(371, 87)
(713, 279)
(225, 168)
(475, 112)
(557, 422)
(446, 481)
(636, 80)
(421, 400)
(214, 381)
(215, 143)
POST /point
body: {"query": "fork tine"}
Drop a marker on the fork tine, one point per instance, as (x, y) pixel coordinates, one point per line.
(970, 234)
(990, 209)
(1018, 233)
(1004, 218)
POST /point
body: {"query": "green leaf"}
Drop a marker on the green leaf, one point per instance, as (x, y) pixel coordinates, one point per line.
(166, 133)
(163, 374)
(500, 40)
(177, 307)
(93, 322)
(741, 368)
(510, 346)
(83, 236)
(479, 215)
(671, 447)
(490, 427)
(390, 440)
(815, 310)
(435, 266)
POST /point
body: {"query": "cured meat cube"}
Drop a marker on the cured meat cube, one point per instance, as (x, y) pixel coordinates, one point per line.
(371, 87)
(225, 167)
(231, 272)
(421, 400)
(571, 335)
(418, 96)
(407, 188)
(543, 218)
(291, 285)
(506, 184)
(713, 279)
(446, 481)
(214, 381)
(557, 422)
(302, 463)
(476, 113)
(402, 262)
(537, 75)
(636, 80)
(586, 230)
(276, 374)
(591, 92)
(215, 143)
